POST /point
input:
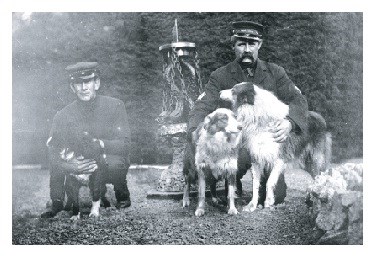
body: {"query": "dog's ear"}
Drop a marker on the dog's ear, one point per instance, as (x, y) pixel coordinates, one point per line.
(250, 96)
(221, 120)
(215, 122)
(245, 94)
(210, 123)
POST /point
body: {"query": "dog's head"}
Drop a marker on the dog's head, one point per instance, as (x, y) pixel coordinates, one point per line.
(86, 145)
(222, 120)
(242, 93)
(76, 143)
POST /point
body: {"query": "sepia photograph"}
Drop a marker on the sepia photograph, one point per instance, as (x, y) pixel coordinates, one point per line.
(151, 127)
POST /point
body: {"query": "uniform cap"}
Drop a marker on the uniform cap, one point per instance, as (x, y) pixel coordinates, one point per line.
(247, 30)
(83, 70)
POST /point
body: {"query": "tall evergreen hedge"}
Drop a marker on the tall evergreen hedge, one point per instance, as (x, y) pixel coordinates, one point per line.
(321, 52)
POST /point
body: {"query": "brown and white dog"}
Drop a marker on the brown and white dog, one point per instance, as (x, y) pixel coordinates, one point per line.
(215, 144)
(258, 110)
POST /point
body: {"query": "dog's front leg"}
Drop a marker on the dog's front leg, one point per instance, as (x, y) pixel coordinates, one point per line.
(231, 193)
(257, 174)
(201, 193)
(272, 181)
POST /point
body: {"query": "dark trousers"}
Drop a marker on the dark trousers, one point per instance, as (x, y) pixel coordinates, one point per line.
(117, 177)
(243, 162)
(57, 185)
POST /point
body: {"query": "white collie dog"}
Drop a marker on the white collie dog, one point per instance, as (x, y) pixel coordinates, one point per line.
(258, 110)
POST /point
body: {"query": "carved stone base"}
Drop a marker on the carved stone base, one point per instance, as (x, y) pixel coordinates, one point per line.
(172, 178)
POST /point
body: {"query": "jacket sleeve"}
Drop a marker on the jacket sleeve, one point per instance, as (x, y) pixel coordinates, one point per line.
(291, 95)
(118, 142)
(207, 102)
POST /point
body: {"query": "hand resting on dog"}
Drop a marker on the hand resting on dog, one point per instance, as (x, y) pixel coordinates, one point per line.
(280, 130)
(80, 165)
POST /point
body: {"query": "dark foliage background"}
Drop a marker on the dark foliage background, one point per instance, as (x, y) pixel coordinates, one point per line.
(321, 52)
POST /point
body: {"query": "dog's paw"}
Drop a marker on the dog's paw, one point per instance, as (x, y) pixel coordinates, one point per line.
(269, 203)
(185, 202)
(232, 211)
(75, 217)
(199, 212)
(94, 214)
(94, 211)
(249, 208)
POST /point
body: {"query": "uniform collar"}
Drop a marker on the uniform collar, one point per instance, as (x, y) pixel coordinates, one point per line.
(259, 73)
(88, 105)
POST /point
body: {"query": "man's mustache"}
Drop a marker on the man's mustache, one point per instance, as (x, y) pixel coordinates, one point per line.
(247, 55)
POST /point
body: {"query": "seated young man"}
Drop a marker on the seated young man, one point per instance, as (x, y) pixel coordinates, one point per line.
(105, 119)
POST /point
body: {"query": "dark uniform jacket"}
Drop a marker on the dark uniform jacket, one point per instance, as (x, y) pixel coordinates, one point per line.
(103, 118)
(267, 75)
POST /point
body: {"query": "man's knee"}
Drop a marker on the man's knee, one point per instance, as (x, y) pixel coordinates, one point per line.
(57, 185)
(118, 177)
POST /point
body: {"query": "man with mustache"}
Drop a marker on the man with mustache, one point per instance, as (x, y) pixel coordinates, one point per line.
(247, 39)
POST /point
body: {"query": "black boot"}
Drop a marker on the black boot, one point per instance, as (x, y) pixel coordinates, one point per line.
(124, 204)
(57, 206)
(122, 195)
(105, 202)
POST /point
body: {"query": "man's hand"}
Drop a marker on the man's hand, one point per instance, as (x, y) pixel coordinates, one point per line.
(82, 166)
(281, 130)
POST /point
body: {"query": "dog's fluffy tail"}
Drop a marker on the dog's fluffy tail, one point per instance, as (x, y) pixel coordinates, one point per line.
(317, 154)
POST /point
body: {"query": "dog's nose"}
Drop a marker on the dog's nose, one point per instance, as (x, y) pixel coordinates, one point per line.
(239, 127)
